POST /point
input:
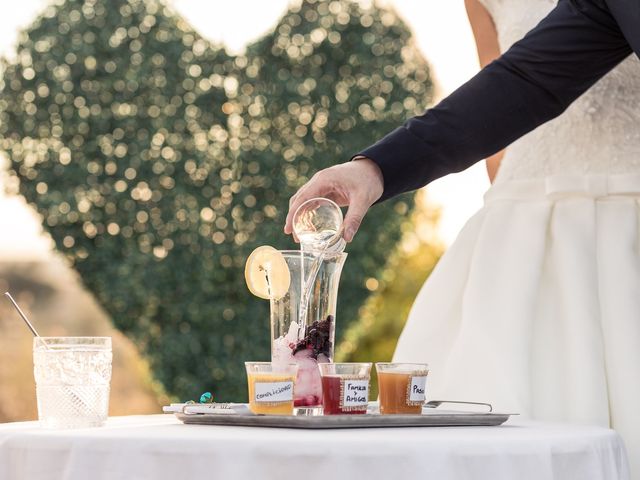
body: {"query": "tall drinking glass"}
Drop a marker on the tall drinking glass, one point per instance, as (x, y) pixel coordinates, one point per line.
(309, 340)
(73, 376)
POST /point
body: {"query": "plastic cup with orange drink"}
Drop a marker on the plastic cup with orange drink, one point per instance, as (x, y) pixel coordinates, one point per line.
(271, 387)
(402, 387)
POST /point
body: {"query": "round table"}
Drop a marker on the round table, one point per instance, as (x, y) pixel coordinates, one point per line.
(158, 447)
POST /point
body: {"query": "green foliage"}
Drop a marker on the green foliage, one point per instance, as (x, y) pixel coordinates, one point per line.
(374, 336)
(158, 161)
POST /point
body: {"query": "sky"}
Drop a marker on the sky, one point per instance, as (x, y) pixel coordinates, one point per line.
(441, 31)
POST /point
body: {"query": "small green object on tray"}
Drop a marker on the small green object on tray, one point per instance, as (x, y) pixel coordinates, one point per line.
(206, 397)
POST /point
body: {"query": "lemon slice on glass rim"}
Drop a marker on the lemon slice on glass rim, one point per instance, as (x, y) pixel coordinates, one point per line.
(267, 273)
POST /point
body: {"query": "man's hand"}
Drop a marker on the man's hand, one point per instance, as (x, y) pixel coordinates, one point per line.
(356, 184)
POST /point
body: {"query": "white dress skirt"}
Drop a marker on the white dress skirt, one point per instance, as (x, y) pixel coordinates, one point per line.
(535, 308)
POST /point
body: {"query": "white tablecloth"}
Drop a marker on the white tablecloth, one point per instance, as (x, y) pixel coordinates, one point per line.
(158, 447)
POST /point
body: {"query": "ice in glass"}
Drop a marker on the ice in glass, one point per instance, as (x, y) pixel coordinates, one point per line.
(308, 340)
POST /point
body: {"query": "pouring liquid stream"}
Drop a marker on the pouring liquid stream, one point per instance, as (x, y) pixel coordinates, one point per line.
(317, 244)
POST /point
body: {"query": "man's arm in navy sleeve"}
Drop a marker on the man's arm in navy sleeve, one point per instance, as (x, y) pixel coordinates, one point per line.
(533, 82)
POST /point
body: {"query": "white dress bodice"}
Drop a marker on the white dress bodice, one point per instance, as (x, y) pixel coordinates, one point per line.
(598, 134)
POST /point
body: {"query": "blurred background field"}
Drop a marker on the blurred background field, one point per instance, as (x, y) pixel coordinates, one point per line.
(155, 170)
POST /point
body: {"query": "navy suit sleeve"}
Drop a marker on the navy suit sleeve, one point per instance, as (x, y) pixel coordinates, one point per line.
(533, 82)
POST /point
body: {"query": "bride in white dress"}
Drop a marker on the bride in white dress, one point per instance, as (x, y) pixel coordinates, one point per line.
(536, 306)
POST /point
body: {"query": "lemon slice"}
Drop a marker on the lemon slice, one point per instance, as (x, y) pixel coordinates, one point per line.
(267, 273)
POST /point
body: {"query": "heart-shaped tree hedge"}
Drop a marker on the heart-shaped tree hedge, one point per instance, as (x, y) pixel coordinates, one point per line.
(158, 161)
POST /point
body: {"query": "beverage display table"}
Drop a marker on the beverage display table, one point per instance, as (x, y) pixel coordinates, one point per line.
(158, 447)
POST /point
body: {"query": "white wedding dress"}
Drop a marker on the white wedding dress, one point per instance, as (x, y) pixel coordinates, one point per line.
(536, 306)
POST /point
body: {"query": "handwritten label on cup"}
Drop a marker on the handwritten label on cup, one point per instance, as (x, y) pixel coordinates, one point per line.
(355, 393)
(417, 388)
(273, 392)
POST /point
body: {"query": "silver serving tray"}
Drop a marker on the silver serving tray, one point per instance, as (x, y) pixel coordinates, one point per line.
(431, 417)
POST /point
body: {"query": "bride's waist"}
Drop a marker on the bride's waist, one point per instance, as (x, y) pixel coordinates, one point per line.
(557, 187)
(546, 152)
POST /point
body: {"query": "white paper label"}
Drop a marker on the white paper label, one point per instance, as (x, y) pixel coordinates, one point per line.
(355, 393)
(418, 387)
(270, 392)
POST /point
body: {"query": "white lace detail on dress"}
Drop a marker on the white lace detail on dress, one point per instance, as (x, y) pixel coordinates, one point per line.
(599, 133)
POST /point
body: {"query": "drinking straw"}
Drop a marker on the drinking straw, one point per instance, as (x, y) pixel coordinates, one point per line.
(24, 317)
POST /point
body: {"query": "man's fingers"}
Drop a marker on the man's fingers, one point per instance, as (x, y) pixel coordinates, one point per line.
(356, 212)
(356, 184)
(287, 223)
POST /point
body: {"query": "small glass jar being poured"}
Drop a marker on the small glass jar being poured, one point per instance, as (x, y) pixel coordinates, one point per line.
(318, 225)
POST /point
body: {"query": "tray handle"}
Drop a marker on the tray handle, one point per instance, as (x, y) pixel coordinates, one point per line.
(437, 403)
